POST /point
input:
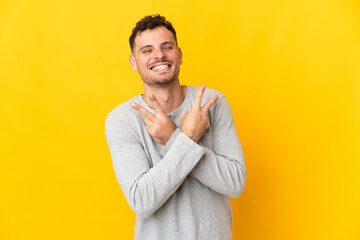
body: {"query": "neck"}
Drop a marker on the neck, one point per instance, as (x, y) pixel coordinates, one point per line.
(170, 97)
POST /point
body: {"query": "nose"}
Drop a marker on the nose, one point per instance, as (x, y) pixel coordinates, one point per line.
(159, 54)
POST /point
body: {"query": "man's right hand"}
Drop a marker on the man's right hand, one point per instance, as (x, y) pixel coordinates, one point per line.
(159, 125)
(195, 122)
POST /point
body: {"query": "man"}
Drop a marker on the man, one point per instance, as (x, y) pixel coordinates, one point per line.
(175, 150)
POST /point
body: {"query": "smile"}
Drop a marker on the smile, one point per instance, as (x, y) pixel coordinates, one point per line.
(160, 67)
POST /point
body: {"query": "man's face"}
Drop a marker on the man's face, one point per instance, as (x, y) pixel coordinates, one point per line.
(156, 57)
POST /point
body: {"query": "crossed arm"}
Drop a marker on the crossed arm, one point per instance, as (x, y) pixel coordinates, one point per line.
(223, 174)
(147, 187)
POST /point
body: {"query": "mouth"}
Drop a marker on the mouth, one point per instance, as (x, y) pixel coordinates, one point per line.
(160, 67)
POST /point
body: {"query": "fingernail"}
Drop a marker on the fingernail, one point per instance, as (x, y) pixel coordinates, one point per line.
(134, 105)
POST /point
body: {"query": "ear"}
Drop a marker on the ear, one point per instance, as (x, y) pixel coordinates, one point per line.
(133, 62)
(180, 55)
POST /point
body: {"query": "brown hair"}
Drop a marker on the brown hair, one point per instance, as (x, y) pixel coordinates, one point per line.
(150, 22)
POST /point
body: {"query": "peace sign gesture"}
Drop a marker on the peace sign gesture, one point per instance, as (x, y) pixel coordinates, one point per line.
(195, 122)
(159, 125)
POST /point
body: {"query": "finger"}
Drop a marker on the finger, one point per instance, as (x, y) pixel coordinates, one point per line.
(156, 104)
(199, 96)
(211, 102)
(148, 128)
(148, 122)
(143, 111)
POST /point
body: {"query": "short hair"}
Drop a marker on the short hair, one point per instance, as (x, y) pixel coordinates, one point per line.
(150, 22)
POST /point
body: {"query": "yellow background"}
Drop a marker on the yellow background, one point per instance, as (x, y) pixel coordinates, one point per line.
(291, 72)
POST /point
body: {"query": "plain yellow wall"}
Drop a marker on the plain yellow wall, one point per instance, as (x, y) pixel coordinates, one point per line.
(291, 72)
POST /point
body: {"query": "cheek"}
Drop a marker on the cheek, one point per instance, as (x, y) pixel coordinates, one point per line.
(142, 65)
(145, 62)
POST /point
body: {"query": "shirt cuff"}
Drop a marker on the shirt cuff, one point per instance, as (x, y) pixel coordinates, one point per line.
(169, 142)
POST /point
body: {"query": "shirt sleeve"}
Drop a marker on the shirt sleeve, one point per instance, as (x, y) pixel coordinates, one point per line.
(147, 187)
(223, 168)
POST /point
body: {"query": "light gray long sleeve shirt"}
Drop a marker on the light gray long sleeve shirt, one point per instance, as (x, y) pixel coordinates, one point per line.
(178, 190)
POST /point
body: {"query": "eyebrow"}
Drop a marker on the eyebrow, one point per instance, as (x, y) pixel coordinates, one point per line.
(164, 43)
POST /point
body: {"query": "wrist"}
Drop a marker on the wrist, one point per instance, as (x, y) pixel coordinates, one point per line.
(189, 135)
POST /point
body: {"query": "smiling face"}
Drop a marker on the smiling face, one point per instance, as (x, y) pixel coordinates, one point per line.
(156, 57)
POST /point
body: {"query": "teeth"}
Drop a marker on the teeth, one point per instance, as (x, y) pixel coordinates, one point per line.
(160, 67)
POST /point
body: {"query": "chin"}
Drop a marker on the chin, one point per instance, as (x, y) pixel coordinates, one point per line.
(159, 83)
(164, 82)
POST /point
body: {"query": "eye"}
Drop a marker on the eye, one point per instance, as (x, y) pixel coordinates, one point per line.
(145, 51)
(168, 47)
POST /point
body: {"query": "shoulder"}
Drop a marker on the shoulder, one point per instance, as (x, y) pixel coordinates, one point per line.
(123, 112)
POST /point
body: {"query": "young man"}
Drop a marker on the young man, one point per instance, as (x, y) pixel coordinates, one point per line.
(175, 150)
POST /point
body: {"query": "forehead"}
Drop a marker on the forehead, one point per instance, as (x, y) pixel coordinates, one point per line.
(154, 37)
